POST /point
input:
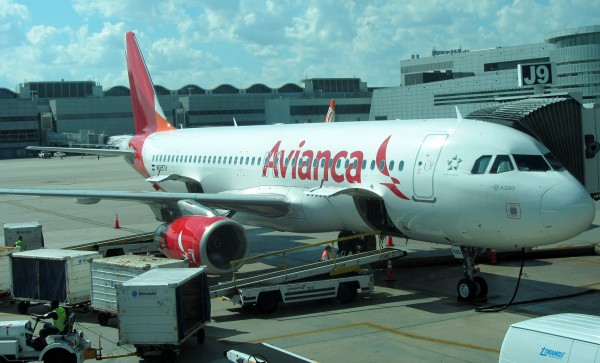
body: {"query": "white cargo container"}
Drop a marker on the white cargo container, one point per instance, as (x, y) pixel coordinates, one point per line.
(159, 309)
(51, 274)
(5, 272)
(553, 338)
(30, 231)
(109, 271)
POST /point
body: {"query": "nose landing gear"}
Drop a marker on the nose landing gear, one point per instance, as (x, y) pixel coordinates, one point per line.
(471, 287)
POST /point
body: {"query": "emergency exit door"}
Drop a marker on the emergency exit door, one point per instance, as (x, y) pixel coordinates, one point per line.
(425, 163)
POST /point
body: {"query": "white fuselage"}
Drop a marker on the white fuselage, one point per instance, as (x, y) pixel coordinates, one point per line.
(423, 170)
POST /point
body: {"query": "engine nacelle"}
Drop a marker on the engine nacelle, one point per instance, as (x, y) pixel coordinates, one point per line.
(210, 241)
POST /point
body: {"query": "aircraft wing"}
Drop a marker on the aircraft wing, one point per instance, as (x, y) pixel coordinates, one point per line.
(268, 205)
(83, 150)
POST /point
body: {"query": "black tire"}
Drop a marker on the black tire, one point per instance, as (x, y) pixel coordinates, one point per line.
(59, 355)
(466, 289)
(22, 307)
(347, 292)
(201, 336)
(267, 302)
(168, 356)
(482, 287)
(103, 318)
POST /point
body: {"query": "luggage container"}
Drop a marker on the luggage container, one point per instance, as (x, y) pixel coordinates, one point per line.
(5, 272)
(44, 275)
(553, 338)
(30, 231)
(160, 309)
(109, 271)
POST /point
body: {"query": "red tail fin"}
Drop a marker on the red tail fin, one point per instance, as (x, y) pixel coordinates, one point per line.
(331, 112)
(147, 113)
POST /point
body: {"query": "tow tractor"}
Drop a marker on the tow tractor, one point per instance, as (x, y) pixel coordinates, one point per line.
(18, 343)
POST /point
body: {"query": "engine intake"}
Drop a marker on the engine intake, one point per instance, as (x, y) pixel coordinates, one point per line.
(212, 241)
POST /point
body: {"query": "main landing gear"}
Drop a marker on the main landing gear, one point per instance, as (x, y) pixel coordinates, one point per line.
(471, 287)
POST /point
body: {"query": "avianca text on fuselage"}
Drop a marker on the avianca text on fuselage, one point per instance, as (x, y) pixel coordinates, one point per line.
(314, 165)
(321, 164)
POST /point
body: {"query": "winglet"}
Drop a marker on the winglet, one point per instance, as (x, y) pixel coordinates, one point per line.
(147, 113)
(331, 112)
(458, 115)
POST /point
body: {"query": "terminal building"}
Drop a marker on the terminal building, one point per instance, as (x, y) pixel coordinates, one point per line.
(550, 90)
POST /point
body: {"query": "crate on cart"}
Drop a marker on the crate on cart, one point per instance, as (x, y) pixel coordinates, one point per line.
(160, 309)
(30, 231)
(43, 275)
(109, 271)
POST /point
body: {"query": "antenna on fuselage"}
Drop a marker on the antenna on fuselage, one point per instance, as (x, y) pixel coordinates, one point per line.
(234, 122)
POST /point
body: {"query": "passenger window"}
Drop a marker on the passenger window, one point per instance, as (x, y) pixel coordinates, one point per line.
(391, 165)
(401, 165)
(502, 164)
(364, 164)
(531, 163)
(372, 164)
(481, 164)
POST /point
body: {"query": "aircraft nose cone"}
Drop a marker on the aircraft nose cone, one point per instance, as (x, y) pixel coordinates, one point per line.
(567, 210)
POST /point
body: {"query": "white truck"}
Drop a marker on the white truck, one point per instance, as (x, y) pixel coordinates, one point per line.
(18, 344)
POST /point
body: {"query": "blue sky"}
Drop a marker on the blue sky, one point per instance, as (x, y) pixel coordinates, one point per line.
(209, 43)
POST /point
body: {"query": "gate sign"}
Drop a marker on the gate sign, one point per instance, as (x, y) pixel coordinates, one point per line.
(535, 74)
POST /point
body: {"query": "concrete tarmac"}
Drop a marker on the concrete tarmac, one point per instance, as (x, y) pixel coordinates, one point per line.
(415, 318)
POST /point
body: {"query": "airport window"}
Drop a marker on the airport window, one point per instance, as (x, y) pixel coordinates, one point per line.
(502, 164)
(481, 164)
(531, 163)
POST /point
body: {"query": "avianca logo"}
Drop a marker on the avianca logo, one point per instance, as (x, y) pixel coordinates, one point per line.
(323, 164)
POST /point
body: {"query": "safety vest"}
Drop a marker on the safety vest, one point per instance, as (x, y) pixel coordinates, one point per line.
(21, 244)
(62, 318)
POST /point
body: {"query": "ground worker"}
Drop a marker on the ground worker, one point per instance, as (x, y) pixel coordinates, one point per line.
(20, 243)
(327, 253)
(59, 320)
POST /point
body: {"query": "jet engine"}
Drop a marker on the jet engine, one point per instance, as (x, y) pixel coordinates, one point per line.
(212, 241)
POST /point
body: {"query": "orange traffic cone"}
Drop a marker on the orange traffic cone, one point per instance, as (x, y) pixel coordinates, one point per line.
(117, 225)
(389, 273)
(390, 241)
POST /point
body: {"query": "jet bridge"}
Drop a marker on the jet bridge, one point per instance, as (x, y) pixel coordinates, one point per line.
(563, 124)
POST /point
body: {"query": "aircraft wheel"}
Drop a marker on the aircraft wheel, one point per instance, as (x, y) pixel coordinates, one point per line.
(482, 287)
(466, 289)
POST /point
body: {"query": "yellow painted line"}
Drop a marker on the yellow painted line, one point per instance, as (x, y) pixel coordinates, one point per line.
(382, 329)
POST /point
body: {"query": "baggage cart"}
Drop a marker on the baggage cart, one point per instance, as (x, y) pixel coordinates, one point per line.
(30, 231)
(109, 271)
(161, 308)
(43, 275)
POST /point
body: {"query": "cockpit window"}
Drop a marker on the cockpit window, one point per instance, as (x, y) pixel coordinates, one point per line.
(554, 162)
(481, 164)
(502, 164)
(531, 162)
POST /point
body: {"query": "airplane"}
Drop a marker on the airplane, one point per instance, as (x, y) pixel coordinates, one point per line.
(330, 117)
(465, 183)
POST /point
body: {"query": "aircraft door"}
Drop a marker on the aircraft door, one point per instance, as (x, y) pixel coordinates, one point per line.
(425, 164)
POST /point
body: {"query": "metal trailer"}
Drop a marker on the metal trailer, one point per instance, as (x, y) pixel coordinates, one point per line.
(263, 352)
(109, 271)
(162, 308)
(30, 231)
(43, 275)
(340, 278)
(5, 272)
